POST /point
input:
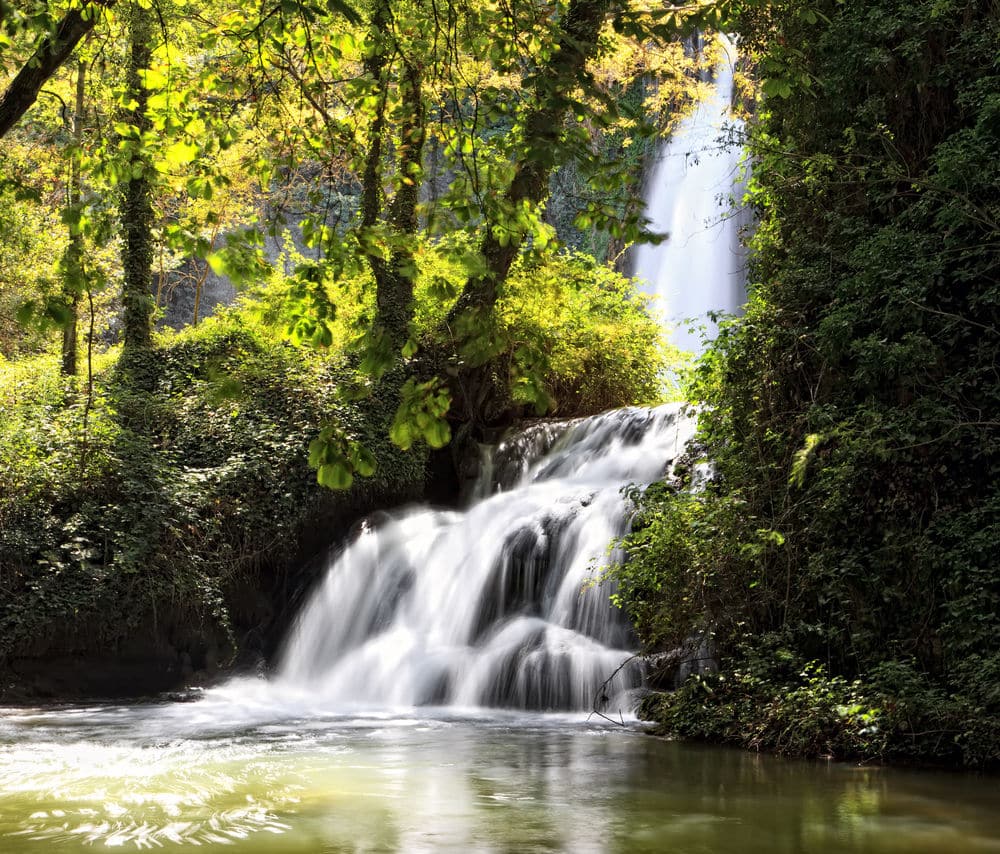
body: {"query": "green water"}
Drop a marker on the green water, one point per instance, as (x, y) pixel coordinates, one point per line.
(218, 777)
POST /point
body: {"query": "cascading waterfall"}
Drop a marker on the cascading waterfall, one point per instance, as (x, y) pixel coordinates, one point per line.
(496, 605)
(700, 267)
(491, 606)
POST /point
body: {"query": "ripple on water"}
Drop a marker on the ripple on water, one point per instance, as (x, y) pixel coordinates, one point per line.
(144, 796)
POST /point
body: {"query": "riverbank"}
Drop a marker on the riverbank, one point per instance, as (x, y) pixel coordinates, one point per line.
(156, 533)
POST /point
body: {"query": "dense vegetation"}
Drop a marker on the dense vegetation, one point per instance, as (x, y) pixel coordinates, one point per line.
(174, 502)
(424, 204)
(843, 557)
(374, 177)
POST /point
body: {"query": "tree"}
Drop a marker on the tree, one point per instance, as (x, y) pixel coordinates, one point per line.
(550, 86)
(393, 275)
(72, 264)
(57, 43)
(136, 212)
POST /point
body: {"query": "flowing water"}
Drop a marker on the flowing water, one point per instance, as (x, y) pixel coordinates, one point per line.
(187, 776)
(453, 684)
(380, 732)
(700, 268)
(493, 605)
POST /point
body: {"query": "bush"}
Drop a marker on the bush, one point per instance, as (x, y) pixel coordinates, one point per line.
(569, 335)
(856, 505)
(179, 489)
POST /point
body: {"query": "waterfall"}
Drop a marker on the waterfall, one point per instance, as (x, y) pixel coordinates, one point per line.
(492, 606)
(699, 268)
(498, 605)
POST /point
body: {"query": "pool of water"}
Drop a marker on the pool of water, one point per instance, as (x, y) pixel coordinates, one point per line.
(217, 775)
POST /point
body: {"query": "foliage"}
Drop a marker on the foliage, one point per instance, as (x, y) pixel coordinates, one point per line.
(406, 150)
(569, 335)
(653, 86)
(23, 283)
(774, 702)
(850, 414)
(578, 338)
(172, 496)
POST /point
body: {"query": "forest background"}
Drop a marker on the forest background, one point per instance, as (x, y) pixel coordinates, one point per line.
(426, 207)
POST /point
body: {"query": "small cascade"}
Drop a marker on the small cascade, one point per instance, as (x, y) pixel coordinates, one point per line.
(498, 605)
(494, 605)
(700, 267)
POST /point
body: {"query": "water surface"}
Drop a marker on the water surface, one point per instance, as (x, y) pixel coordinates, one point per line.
(219, 777)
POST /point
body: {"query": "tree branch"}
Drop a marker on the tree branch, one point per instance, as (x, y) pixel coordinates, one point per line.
(54, 49)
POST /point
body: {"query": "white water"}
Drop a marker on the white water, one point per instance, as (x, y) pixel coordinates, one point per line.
(496, 605)
(491, 606)
(699, 268)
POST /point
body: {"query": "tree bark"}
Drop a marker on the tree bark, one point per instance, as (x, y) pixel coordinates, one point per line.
(73, 272)
(137, 201)
(394, 279)
(50, 54)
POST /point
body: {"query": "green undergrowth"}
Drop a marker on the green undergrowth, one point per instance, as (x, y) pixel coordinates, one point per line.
(766, 698)
(569, 336)
(843, 556)
(181, 485)
(181, 480)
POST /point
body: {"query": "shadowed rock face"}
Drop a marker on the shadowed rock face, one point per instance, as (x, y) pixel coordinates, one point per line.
(177, 297)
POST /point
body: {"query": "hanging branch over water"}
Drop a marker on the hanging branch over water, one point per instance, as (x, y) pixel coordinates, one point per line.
(601, 694)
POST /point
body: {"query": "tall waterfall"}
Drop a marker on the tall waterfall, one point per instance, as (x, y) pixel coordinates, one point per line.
(492, 606)
(497, 605)
(699, 268)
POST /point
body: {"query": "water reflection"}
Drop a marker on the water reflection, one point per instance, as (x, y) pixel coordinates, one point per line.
(139, 777)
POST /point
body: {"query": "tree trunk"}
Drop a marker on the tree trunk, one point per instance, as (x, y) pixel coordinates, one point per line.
(374, 65)
(393, 278)
(73, 264)
(137, 201)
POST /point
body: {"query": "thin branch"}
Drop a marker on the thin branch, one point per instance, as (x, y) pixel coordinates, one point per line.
(601, 691)
(53, 50)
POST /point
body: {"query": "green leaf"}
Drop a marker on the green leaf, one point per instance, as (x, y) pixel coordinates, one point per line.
(362, 459)
(335, 475)
(401, 434)
(438, 434)
(797, 477)
(217, 261)
(180, 153)
(152, 79)
(345, 9)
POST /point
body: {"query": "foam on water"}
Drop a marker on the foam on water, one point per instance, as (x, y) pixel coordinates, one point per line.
(496, 605)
